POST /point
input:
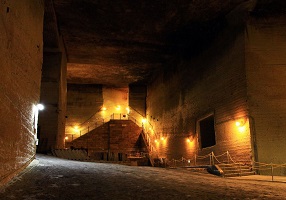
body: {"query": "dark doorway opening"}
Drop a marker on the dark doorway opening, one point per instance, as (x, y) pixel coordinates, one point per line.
(207, 132)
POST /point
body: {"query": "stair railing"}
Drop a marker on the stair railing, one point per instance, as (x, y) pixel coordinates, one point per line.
(137, 117)
(92, 123)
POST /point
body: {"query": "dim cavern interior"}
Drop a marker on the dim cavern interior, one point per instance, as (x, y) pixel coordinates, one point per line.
(129, 79)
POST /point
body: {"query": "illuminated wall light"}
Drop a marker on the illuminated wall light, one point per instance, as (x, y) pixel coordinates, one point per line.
(128, 110)
(103, 109)
(40, 106)
(162, 138)
(118, 107)
(76, 129)
(240, 123)
(241, 129)
(188, 140)
(144, 120)
(156, 141)
(66, 138)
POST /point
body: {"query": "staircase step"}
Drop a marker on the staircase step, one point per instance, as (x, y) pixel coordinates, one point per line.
(239, 174)
(231, 170)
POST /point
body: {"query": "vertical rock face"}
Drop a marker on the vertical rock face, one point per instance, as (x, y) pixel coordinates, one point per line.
(21, 50)
(266, 70)
(210, 84)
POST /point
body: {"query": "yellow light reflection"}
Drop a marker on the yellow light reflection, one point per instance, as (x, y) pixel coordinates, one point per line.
(241, 129)
(144, 120)
(128, 110)
(240, 122)
(190, 144)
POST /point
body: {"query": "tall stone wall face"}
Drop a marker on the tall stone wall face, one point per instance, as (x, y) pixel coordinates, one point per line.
(21, 52)
(83, 101)
(212, 83)
(113, 138)
(266, 72)
(92, 105)
(137, 99)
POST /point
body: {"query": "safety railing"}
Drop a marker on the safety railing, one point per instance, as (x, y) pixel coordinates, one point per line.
(147, 127)
(226, 159)
(208, 159)
(269, 168)
(93, 123)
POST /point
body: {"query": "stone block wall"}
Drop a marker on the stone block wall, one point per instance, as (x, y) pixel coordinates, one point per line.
(266, 72)
(112, 138)
(137, 98)
(83, 101)
(213, 82)
(21, 56)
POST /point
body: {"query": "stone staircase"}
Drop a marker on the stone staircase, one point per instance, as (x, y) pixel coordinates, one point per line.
(149, 149)
(71, 154)
(235, 169)
(115, 140)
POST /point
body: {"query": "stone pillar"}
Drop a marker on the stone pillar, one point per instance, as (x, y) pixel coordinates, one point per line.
(53, 95)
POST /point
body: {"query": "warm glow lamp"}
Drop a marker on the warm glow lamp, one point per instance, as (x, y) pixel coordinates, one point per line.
(128, 110)
(240, 123)
(76, 129)
(144, 120)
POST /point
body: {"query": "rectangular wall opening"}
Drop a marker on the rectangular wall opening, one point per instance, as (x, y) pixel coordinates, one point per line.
(207, 132)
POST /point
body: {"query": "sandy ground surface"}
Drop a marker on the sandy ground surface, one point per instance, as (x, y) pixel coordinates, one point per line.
(53, 178)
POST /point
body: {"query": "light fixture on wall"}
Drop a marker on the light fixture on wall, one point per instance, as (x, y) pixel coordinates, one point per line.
(128, 110)
(103, 108)
(40, 106)
(118, 107)
(76, 129)
(240, 122)
(144, 120)
(190, 139)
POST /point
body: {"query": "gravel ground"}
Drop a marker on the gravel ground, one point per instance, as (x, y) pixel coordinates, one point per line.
(54, 178)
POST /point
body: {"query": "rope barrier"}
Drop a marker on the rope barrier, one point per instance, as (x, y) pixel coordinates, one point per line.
(215, 159)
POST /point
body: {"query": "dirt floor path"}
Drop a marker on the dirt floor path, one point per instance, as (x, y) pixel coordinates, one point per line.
(54, 178)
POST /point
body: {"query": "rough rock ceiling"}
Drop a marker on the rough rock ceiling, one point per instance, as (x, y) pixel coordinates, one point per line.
(122, 42)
